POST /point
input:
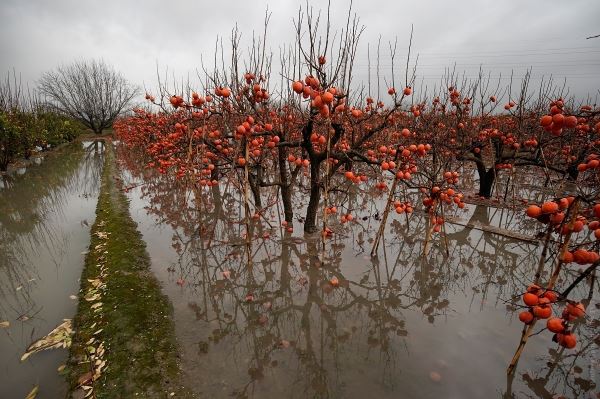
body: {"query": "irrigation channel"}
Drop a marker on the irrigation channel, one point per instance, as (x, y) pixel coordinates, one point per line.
(46, 211)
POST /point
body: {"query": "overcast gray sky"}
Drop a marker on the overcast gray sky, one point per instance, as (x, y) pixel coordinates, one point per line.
(547, 35)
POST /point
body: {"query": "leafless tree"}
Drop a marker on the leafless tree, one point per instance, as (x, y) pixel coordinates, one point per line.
(89, 91)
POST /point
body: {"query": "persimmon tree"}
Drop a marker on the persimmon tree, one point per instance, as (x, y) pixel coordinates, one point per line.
(245, 146)
(572, 237)
(317, 126)
(520, 134)
(233, 127)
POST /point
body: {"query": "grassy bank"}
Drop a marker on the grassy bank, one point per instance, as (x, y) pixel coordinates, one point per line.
(124, 344)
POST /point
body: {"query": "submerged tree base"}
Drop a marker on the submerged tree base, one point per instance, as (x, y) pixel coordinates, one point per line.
(124, 344)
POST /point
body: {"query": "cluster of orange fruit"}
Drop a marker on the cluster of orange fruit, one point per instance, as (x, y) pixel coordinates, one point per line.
(407, 91)
(448, 196)
(289, 227)
(402, 207)
(354, 178)
(556, 121)
(553, 212)
(321, 100)
(539, 302)
(592, 163)
(176, 101)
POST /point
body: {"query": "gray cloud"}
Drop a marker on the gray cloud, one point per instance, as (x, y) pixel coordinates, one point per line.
(546, 35)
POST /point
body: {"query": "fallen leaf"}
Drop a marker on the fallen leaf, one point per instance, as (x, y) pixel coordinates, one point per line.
(87, 377)
(4, 324)
(33, 393)
(95, 283)
(92, 297)
(60, 337)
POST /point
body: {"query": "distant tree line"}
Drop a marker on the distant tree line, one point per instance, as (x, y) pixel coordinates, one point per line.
(27, 124)
(68, 100)
(91, 92)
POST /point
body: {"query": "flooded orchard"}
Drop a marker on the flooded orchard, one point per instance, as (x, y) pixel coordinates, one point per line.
(301, 316)
(46, 210)
(325, 202)
(303, 319)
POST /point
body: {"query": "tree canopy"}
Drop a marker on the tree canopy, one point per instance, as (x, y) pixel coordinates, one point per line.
(89, 91)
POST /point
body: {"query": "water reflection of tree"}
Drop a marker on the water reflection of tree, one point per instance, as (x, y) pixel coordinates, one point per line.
(27, 201)
(293, 300)
(505, 263)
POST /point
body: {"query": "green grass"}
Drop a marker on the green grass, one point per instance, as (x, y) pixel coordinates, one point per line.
(135, 317)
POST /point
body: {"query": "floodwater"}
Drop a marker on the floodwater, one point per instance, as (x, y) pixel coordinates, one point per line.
(399, 326)
(46, 211)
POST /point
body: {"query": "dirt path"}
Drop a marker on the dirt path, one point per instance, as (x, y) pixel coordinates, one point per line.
(124, 343)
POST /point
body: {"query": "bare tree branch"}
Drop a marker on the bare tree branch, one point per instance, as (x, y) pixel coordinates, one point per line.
(89, 91)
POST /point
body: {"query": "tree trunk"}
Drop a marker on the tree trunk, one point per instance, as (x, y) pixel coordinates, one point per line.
(285, 279)
(254, 187)
(310, 223)
(286, 197)
(486, 177)
(486, 182)
(573, 172)
(286, 191)
(216, 195)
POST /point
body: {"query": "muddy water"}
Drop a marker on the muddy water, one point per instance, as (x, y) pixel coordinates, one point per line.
(400, 326)
(46, 211)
